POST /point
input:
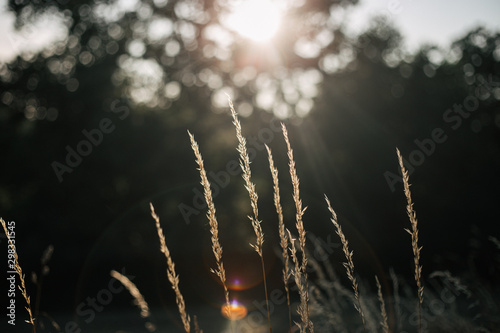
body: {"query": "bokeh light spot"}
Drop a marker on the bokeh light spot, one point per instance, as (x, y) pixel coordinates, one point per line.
(172, 90)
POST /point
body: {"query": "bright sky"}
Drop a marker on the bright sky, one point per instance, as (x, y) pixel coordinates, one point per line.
(438, 22)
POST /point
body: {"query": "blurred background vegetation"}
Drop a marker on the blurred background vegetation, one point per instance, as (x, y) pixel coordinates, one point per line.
(156, 68)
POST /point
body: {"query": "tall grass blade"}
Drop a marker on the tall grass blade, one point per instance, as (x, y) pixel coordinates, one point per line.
(349, 265)
(173, 278)
(247, 177)
(414, 238)
(282, 233)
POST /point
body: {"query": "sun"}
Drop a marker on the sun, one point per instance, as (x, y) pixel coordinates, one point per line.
(257, 20)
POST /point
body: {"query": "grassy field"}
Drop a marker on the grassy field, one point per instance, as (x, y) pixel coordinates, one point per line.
(314, 298)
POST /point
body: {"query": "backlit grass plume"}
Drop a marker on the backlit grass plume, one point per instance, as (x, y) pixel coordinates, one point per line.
(282, 232)
(134, 291)
(212, 220)
(349, 265)
(172, 276)
(300, 281)
(414, 238)
(247, 177)
(383, 312)
(299, 213)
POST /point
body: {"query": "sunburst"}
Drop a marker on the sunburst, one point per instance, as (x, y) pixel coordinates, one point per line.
(258, 20)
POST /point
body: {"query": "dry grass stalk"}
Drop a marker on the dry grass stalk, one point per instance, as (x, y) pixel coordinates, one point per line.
(247, 177)
(212, 220)
(196, 327)
(296, 198)
(299, 224)
(397, 299)
(19, 271)
(349, 265)
(172, 276)
(414, 238)
(300, 281)
(384, 323)
(134, 291)
(282, 232)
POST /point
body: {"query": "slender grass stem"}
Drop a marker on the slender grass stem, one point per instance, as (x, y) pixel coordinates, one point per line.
(412, 215)
(247, 177)
(173, 278)
(214, 224)
(349, 265)
(282, 233)
(299, 213)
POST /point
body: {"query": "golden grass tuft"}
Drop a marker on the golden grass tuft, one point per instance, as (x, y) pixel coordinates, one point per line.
(301, 283)
(212, 220)
(19, 271)
(296, 198)
(247, 177)
(414, 238)
(349, 265)
(384, 323)
(134, 291)
(139, 300)
(282, 233)
(304, 294)
(172, 276)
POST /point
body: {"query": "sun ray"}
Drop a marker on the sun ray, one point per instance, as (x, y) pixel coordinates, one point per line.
(258, 20)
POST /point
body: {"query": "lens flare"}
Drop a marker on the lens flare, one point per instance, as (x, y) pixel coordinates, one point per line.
(236, 311)
(239, 283)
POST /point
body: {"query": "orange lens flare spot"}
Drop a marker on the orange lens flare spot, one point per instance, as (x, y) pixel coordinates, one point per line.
(235, 311)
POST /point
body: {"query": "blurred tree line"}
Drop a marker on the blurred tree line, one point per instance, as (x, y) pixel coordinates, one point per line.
(141, 73)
